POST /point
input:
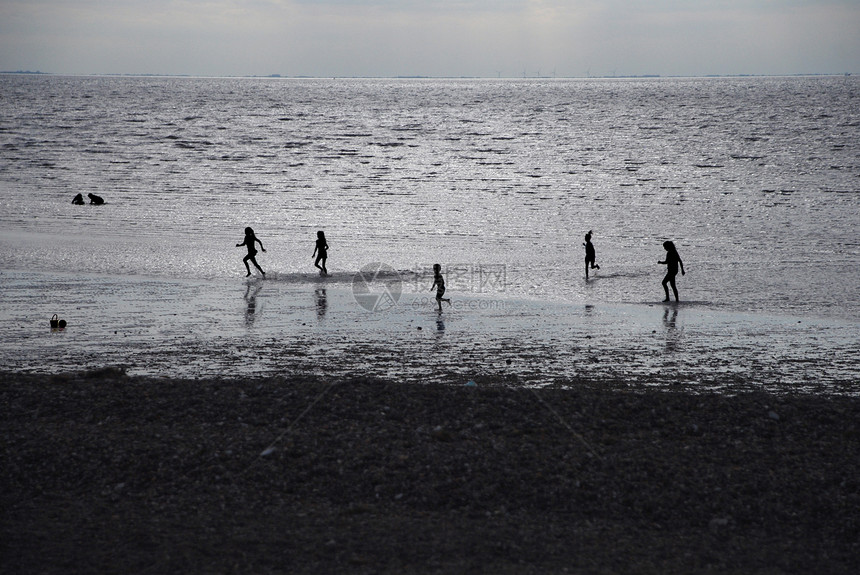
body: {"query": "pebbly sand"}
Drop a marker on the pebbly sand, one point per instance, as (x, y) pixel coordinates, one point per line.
(106, 473)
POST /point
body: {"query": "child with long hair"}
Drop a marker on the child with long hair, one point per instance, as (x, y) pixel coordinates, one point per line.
(672, 261)
(321, 248)
(250, 241)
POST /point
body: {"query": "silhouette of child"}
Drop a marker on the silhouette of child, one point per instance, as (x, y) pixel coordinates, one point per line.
(673, 260)
(78, 200)
(590, 256)
(95, 200)
(439, 284)
(250, 240)
(321, 249)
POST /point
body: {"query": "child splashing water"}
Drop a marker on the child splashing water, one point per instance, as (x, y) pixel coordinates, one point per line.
(250, 240)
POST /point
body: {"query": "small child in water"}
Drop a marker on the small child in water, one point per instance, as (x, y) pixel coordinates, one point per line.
(672, 261)
(590, 255)
(439, 284)
(250, 241)
(322, 249)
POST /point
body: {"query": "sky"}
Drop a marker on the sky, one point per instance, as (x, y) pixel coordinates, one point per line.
(436, 38)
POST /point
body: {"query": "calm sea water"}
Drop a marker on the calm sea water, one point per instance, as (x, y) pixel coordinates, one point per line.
(756, 180)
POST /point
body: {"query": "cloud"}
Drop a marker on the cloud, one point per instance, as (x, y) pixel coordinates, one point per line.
(434, 38)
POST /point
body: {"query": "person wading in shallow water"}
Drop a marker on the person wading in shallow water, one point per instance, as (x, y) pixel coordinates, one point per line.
(590, 256)
(673, 260)
(321, 248)
(439, 284)
(250, 240)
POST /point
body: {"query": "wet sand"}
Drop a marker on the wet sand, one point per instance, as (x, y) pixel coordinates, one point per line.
(107, 473)
(305, 325)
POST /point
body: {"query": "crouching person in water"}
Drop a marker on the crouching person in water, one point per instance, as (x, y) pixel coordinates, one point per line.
(78, 200)
(439, 284)
(250, 241)
(95, 200)
(673, 260)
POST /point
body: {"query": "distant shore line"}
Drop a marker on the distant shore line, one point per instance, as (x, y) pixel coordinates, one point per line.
(421, 77)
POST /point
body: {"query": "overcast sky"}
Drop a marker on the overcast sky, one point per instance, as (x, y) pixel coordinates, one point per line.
(508, 38)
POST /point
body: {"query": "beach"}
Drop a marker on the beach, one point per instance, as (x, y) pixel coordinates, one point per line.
(190, 419)
(299, 424)
(107, 473)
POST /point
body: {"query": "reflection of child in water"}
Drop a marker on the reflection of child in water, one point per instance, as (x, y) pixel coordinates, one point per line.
(439, 284)
(590, 255)
(250, 240)
(673, 260)
(322, 249)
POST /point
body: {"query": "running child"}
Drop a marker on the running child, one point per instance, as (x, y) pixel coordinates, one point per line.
(439, 284)
(250, 241)
(590, 255)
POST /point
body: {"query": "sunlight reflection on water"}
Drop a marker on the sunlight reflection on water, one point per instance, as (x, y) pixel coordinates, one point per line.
(232, 328)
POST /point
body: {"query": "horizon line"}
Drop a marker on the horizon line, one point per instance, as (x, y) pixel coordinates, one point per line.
(417, 77)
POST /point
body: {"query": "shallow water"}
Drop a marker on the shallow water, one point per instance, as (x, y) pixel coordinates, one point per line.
(755, 179)
(308, 325)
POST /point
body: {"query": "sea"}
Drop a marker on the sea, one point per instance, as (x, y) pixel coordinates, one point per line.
(756, 180)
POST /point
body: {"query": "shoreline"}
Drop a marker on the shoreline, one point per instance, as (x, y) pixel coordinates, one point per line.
(109, 473)
(195, 329)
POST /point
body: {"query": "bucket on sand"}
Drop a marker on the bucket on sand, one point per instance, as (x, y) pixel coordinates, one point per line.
(55, 323)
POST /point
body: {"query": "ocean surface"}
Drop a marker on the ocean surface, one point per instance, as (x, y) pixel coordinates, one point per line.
(756, 180)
